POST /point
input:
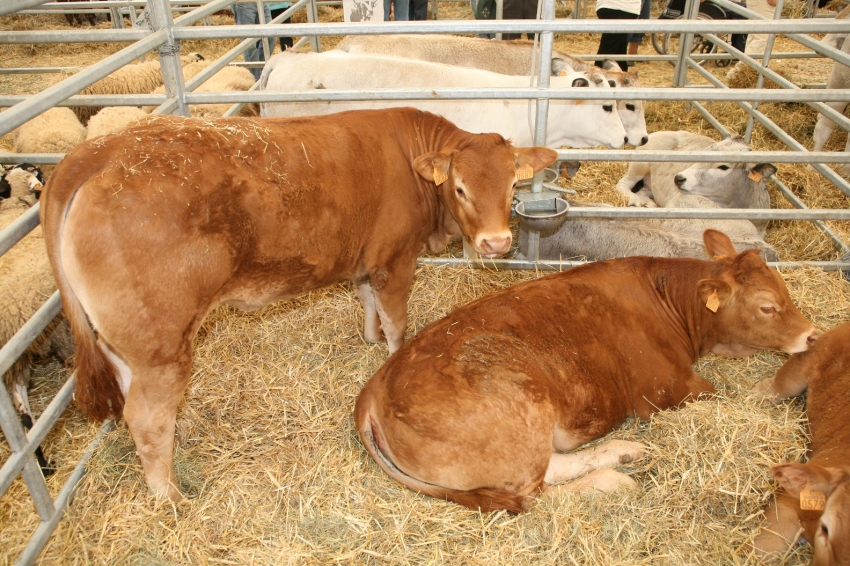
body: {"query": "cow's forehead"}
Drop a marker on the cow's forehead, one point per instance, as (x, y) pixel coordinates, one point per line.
(486, 157)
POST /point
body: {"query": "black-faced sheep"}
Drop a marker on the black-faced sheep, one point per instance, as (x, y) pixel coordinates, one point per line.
(56, 130)
(25, 283)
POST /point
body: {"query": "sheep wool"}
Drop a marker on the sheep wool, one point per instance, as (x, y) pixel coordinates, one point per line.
(113, 119)
(138, 78)
(25, 283)
(55, 131)
(227, 79)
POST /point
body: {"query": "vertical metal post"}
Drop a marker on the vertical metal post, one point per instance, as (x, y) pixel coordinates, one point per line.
(117, 18)
(547, 39)
(261, 17)
(686, 41)
(169, 54)
(768, 50)
(313, 17)
(500, 10)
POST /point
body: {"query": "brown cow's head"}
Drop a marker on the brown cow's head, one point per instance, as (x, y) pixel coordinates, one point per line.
(752, 309)
(475, 183)
(826, 494)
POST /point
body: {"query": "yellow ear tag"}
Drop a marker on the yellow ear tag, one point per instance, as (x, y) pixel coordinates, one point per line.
(525, 172)
(439, 177)
(713, 302)
(755, 176)
(812, 500)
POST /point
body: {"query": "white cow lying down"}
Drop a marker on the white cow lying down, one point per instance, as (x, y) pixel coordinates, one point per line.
(673, 185)
(729, 185)
(597, 239)
(504, 57)
(574, 123)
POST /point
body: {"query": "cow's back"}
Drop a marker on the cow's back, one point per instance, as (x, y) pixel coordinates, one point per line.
(505, 57)
(239, 202)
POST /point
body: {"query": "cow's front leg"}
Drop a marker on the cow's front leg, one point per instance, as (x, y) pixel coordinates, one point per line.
(391, 286)
(780, 531)
(372, 327)
(636, 172)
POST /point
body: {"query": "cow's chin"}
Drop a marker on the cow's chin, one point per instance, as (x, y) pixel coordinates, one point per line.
(734, 350)
(490, 256)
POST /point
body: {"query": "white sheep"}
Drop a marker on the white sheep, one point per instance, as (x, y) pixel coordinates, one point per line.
(56, 130)
(25, 283)
(137, 78)
(113, 119)
(227, 79)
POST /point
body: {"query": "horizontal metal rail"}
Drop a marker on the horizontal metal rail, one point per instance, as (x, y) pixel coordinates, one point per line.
(619, 155)
(33, 106)
(561, 265)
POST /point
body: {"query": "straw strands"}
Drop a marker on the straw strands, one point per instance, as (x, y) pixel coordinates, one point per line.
(275, 474)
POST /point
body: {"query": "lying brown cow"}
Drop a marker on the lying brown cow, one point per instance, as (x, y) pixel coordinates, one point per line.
(149, 229)
(478, 407)
(815, 497)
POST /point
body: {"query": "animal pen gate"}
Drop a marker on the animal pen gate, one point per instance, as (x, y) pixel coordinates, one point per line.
(158, 30)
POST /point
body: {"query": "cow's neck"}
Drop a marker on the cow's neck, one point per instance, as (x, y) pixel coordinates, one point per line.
(675, 285)
(434, 133)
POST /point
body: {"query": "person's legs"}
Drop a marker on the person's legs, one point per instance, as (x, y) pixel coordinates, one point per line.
(285, 42)
(635, 39)
(756, 42)
(246, 14)
(418, 10)
(614, 43)
(401, 10)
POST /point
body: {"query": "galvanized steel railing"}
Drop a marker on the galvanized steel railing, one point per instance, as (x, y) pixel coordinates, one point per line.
(167, 33)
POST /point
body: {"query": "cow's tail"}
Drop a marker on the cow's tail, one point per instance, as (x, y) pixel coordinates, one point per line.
(484, 499)
(98, 392)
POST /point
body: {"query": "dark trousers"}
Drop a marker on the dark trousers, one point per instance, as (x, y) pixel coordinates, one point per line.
(285, 42)
(419, 10)
(614, 43)
(519, 10)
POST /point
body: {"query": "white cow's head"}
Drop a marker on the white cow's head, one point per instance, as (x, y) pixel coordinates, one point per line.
(730, 185)
(584, 123)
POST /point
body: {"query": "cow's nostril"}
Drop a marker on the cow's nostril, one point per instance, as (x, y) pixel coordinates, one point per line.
(626, 139)
(679, 180)
(813, 337)
(643, 140)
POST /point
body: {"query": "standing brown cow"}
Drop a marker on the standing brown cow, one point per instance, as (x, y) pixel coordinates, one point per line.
(815, 497)
(478, 407)
(148, 229)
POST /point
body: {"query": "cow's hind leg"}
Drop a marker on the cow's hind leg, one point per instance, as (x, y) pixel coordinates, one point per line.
(372, 328)
(151, 413)
(564, 467)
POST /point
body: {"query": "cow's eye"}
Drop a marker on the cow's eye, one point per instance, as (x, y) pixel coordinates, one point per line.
(630, 107)
(608, 108)
(824, 531)
(768, 310)
(723, 167)
(460, 192)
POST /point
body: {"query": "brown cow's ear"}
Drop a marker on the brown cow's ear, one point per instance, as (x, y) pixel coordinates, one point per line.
(761, 170)
(713, 293)
(718, 244)
(434, 166)
(538, 158)
(795, 478)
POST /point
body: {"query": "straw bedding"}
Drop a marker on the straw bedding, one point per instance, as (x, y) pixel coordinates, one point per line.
(275, 474)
